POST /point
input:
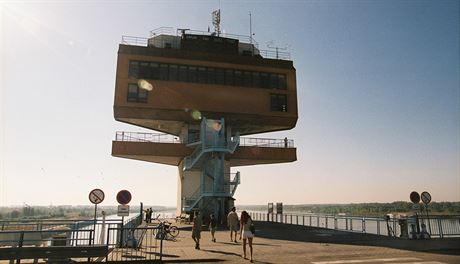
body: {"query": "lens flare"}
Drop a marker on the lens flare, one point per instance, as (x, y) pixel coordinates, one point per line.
(143, 84)
(196, 115)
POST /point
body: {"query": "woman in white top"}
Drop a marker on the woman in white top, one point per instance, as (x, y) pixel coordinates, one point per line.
(245, 232)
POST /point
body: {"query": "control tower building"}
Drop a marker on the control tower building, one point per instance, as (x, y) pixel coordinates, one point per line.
(205, 93)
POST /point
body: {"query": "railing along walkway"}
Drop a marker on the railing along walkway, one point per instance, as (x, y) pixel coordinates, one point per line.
(437, 226)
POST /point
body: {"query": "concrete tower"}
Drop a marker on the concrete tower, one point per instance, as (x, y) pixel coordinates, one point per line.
(204, 93)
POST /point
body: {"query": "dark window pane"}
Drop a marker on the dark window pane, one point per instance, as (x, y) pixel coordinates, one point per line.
(278, 102)
(134, 69)
(132, 93)
(154, 71)
(202, 75)
(247, 79)
(238, 78)
(144, 71)
(211, 75)
(164, 72)
(273, 81)
(183, 71)
(255, 79)
(173, 72)
(192, 74)
(264, 80)
(220, 76)
(282, 81)
(229, 77)
(142, 95)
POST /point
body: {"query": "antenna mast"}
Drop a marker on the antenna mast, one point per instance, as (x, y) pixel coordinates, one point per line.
(216, 21)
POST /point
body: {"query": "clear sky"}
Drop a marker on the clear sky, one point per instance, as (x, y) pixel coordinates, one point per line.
(377, 83)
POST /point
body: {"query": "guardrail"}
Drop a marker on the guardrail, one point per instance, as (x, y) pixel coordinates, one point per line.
(142, 41)
(146, 137)
(437, 226)
(134, 41)
(131, 244)
(167, 138)
(267, 142)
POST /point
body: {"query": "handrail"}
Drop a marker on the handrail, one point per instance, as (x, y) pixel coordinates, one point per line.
(167, 138)
(134, 41)
(267, 142)
(146, 137)
(142, 41)
(438, 226)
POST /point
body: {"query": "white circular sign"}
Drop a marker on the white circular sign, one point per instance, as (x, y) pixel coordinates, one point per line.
(96, 196)
(426, 197)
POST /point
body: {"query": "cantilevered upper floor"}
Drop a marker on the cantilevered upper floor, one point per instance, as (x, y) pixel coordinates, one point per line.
(168, 80)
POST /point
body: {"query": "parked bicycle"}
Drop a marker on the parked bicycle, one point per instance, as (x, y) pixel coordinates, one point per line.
(167, 231)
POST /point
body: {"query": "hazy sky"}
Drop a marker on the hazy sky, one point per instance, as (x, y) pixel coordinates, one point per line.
(377, 84)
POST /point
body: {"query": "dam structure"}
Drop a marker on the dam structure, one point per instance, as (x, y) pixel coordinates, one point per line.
(205, 93)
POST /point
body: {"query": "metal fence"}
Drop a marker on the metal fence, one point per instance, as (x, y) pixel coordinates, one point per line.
(167, 138)
(437, 226)
(134, 244)
(125, 239)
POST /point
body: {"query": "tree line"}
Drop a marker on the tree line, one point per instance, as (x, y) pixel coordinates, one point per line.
(363, 209)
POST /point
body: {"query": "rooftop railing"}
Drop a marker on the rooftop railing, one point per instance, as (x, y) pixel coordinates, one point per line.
(167, 138)
(134, 41)
(141, 41)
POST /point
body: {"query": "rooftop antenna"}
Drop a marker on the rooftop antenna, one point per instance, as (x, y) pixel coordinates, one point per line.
(216, 21)
(250, 31)
(271, 45)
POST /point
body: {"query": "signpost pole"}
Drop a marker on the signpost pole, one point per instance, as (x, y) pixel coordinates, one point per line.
(96, 196)
(95, 220)
(428, 218)
(121, 231)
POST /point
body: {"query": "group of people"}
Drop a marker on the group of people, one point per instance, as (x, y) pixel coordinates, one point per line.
(246, 229)
(148, 215)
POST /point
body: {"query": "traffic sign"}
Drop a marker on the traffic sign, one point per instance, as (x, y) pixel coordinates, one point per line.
(123, 210)
(426, 197)
(415, 197)
(124, 197)
(416, 207)
(96, 196)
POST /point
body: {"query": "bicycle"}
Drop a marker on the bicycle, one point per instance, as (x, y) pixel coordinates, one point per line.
(165, 228)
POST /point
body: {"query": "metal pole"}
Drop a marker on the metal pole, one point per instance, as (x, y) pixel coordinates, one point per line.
(428, 218)
(95, 217)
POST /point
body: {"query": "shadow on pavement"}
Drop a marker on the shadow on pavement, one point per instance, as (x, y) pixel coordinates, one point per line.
(449, 246)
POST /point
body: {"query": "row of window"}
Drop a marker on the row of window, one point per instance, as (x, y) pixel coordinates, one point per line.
(278, 102)
(205, 75)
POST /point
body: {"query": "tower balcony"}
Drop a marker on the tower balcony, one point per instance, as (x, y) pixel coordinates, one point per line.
(168, 149)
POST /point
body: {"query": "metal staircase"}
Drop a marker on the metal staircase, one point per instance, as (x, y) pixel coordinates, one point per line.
(208, 157)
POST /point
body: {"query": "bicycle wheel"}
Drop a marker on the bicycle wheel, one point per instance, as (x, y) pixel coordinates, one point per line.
(173, 231)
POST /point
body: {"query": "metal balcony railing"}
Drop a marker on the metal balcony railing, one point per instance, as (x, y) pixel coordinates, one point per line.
(267, 142)
(167, 138)
(146, 137)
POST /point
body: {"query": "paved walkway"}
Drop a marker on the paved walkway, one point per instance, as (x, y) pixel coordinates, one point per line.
(281, 243)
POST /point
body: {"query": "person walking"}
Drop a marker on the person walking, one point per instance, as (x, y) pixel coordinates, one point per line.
(232, 222)
(246, 232)
(196, 229)
(212, 227)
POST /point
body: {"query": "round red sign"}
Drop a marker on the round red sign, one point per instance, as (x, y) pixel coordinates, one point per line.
(96, 196)
(124, 197)
(415, 197)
